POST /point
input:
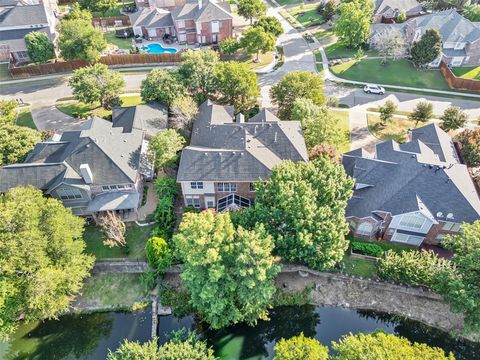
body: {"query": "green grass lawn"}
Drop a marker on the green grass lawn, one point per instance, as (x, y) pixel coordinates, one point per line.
(249, 59)
(24, 118)
(135, 235)
(112, 291)
(307, 15)
(112, 12)
(395, 130)
(82, 110)
(339, 50)
(131, 100)
(288, 2)
(399, 72)
(4, 72)
(468, 72)
(119, 42)
(344, 126)
(359, 267)
(323, 34)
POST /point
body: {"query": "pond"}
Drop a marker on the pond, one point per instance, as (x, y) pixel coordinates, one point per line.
(90, 336)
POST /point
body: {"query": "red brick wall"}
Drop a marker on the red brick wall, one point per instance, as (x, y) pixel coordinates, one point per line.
(225, 30)
(359, 221)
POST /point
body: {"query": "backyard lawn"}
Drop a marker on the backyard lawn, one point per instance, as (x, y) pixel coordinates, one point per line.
(468, 72)
(359, 267)
(307, 15)
(344, 126)
(24, 118)
(121, 43)
(399, 72)
(81, 110)
(116, 11)
(395, 130)
(135, 235)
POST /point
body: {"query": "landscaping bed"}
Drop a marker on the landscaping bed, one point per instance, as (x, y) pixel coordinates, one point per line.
(307, 15)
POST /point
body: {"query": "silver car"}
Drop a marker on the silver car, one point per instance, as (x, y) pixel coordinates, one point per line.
(374, 89)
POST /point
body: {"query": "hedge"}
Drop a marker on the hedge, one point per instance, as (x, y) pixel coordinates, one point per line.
(366, 249)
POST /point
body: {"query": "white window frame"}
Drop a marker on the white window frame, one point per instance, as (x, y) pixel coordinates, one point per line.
(215, 26)
(69, 194)
(226, 187)
(412, 222)
(196, 185)
(193, 201)
(403, 240)
(457, 60)
(181, 24)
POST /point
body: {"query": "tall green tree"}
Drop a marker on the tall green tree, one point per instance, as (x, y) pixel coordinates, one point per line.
(300, 348)
(422, 112)
(270, 24)
(97, 83)
(80, 40)
(427, 49)
(251, 9)
(8, 114)
(236, 85)
(470, 146)
(387, 111)
(76, 13)
(453, 118)
(197, 70)
(255, 40)
(101, 6)
(384, 346)
(294, 85)
(39, 47)
(163, 86)
(183, 112)
(302, 206)
(353, 25)
(16, 142)
(164, 147)
(159, 255)
(42, 258)
(229, 273)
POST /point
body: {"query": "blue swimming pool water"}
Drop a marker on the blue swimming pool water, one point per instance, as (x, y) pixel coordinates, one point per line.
(157, 49)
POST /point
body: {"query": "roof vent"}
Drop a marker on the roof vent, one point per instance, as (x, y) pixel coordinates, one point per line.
(450, 216)
(86, 173)
(275, 137)
(413, 156)
(240, 118)
(439, 214)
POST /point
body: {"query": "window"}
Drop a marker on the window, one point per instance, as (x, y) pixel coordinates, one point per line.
(22, 54)
(69, 194)
(113, 187)
(193, 201)
(196, 185)
(451, 226)
(457, 60)
(364, 228)
(105, 187)
(457, 227)
(116, 187)
(403, 238)
(412, 221)
(215, 27)
(232, 202)
(252, 187)
(210, 204)
(180, 24)
(227, 187)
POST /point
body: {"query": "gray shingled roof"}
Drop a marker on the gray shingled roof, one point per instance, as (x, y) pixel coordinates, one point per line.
(402, 177)
(151, 17)
(210, 11)
(224, 150)
(394, 7)
(22, 15)
(151, 118)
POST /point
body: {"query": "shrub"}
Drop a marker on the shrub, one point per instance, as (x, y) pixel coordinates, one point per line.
(159, 255)
(164, 214)
(470, 146)
(300, 347)
(148, 280)
(366, 249)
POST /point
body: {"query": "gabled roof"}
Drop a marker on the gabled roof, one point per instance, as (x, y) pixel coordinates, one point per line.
(421, 175)
(151, 118)
(151, 17)
(224, 150)
(22, 16)
(210, 11)
(395, 7)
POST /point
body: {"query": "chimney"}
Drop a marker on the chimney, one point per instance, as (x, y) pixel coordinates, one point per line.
(240, 118)
(86, 173)
(200, 4)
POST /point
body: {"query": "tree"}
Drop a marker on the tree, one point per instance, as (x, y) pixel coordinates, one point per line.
(270, 24)
(159, 255)
(302, 206)
(80, 40)
(470, 146)
(300, 348)
(39, 47)
(362, 346)
(250, 9)
(77, 13)
(113, 228)
(16, 142)
(294, 85)
(8, 115)
(163, 148)
(453, 118)
(256, 40)
(236, 85)
(353, 25)
(472, 12)
(183, 112)
(161, 85)
(97, 83)
(101, 6)
(390, 44)
(427, 49)
(462, 290)
(387, 111)
(329, 10)
(422, 112)
(323, 150)
(229, 46)
(402, 17)
(197, 70)
(318, 124)
(41, 256)
(229, 273)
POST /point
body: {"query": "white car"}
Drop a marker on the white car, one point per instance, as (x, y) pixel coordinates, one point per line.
(374, 89)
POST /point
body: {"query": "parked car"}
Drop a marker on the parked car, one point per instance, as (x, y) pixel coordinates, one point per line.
(374, 89)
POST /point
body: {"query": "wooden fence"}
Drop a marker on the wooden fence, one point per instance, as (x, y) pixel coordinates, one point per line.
(112, 21)
(456, 82)
(110, 60)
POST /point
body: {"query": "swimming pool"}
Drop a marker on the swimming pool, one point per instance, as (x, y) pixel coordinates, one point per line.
(156, 48)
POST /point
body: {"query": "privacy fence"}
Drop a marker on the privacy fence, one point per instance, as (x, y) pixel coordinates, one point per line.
(456, 82)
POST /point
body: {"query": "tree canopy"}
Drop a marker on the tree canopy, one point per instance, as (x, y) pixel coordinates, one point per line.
(251, 9)
(302, 206)
(39, 47)
(300, 348)
(163, 147)
(101, 6)
(470, 146)
(42, 258)
(387, 111)
(256, 40)
(294, 85)
(159, 255)
(422, 112)
(427, 49)
(16, 142)
(353, 25)
(76, 13)
(97, 83)
(270, 24)
(453, 118)
(229, 273)
(8, 114)
(161, 85)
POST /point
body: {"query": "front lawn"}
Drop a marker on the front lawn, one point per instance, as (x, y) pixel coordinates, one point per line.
(323, 34)
(307, 15)
(24, 118)
(249, 59)
(81, 110)
(288, 2)
(135, 235)
(395, 130)
(468, 72)
(340, 50)
(399, 72)
(359, 267)
(344, 126)
(121, 43)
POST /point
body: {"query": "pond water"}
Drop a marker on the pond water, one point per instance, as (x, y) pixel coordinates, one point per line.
(90, 336)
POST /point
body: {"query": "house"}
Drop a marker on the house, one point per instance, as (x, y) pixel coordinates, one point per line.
(161, 4)
(411, 193)
(20, 17)
(227, 155)
(152, 23)
(95, 169)
(460, 37)
(150, 118)
(388, 10)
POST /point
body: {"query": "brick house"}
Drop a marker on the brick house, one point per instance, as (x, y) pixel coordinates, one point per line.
(227, 155)
(388, 10)
(410, 193)
(152, 23)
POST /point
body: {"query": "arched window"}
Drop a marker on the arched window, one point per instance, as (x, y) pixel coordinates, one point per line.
(365, 228)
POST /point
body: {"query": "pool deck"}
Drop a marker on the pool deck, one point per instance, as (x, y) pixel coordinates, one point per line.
(175, 46)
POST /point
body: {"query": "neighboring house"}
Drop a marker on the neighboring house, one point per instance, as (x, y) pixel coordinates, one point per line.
(410, 193)
(461, 37)
(150, 118)
(152, 23)
(227, 155)
(92, 170)
(388, 10)
(17, 19)
(162, 4)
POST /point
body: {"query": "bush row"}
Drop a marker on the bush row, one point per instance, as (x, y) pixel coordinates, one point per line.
(369, 249)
